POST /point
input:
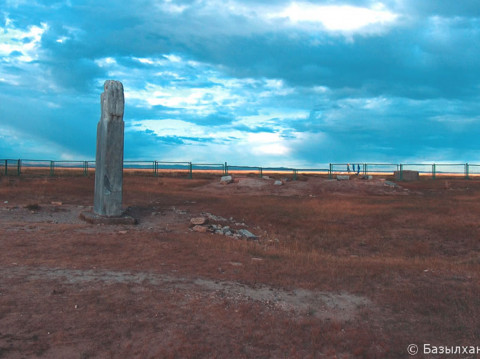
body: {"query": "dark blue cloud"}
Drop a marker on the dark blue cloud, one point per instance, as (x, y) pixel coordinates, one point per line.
(421, 76)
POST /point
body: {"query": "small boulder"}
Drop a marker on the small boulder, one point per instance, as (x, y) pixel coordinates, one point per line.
(199, 220)
(277, 183)
(226, 179)
(343, 178)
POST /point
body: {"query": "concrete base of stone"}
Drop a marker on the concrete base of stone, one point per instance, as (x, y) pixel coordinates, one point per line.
(94, 218)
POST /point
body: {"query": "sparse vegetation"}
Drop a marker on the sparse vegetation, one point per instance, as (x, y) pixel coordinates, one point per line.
(416, 257)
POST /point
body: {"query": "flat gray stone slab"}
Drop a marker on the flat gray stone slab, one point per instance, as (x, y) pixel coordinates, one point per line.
(247, 234)
(94, 218)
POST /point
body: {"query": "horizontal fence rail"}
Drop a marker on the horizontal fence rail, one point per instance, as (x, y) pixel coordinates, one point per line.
(17, 167)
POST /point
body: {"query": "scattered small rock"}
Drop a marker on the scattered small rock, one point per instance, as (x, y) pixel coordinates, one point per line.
(213, 217)
(55, 203)
(199, 220)
(343, 178)
(277, 183)
(226, 229)
(201, 229)
(390, 184)
(122, 232)
(179, 211)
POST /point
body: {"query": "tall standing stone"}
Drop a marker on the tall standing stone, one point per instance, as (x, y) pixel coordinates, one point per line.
(109, 161)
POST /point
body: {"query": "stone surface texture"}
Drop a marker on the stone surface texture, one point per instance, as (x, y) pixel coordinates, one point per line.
(247, 234)
(109, 160)
(199, 220)
(200, 229)
(406, 175)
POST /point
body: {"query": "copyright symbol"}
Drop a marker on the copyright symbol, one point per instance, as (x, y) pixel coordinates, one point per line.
(412, 349)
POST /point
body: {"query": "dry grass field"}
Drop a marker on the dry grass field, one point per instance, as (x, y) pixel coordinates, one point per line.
(341, 269)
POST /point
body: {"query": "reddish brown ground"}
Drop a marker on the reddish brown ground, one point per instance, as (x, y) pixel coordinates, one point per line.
(347, 269)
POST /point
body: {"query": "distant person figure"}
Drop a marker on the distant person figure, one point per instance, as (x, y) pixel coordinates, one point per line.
(358, 169)
(348, 167)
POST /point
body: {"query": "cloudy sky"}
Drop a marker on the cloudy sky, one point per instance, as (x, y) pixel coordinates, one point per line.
(251, 82)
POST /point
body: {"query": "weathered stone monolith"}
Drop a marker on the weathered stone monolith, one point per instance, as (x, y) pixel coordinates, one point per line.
(109, 161)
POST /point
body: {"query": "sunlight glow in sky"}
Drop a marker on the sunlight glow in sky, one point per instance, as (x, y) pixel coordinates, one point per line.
(336, 18)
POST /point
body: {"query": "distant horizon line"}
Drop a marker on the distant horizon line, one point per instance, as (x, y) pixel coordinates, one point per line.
(338, 163)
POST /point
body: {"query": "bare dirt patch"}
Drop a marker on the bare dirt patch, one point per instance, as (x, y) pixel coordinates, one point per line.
(346, 269)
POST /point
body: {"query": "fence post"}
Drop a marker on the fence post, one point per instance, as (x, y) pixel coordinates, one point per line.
(260, 171)
(85, 168)
(401, 172)
(294, 174)
(19, 167)
(190, 170)
(226, 169)
(330, 168)
(52, 168)
(6, 167)
(434, 169)
(365, 169)
(466, 171)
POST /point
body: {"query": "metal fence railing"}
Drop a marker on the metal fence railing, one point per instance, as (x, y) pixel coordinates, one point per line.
(17, 167)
